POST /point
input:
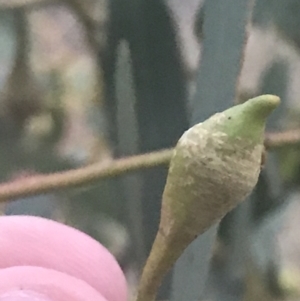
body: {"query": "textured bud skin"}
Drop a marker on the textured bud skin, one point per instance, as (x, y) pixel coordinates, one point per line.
(215, 166)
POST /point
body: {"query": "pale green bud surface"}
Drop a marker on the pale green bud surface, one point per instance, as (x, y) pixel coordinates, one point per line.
(215, 166)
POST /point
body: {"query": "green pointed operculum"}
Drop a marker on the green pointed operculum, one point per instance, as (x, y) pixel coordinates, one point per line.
(245, 120)
(215, 166)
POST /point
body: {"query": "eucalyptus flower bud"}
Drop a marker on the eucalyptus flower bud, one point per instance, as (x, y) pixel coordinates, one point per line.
(214, 167)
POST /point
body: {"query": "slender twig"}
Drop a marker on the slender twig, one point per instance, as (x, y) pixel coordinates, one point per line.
(280, 139)
(39, 184)
(13, 4)
(78, 177)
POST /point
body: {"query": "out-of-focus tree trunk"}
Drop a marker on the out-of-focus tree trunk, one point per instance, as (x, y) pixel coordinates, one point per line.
(160, 90)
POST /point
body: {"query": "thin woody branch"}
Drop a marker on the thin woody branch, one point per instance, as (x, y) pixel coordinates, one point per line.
(280, 139)
(39, 184)
(13, 4)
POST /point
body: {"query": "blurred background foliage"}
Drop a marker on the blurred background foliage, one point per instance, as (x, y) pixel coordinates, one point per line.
(86, 81)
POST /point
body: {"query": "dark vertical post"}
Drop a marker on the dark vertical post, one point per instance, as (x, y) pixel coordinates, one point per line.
(159, 85)
(161, 96)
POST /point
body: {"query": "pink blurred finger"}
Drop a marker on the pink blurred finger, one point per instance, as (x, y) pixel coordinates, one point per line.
(34, 241)
(25, 283)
